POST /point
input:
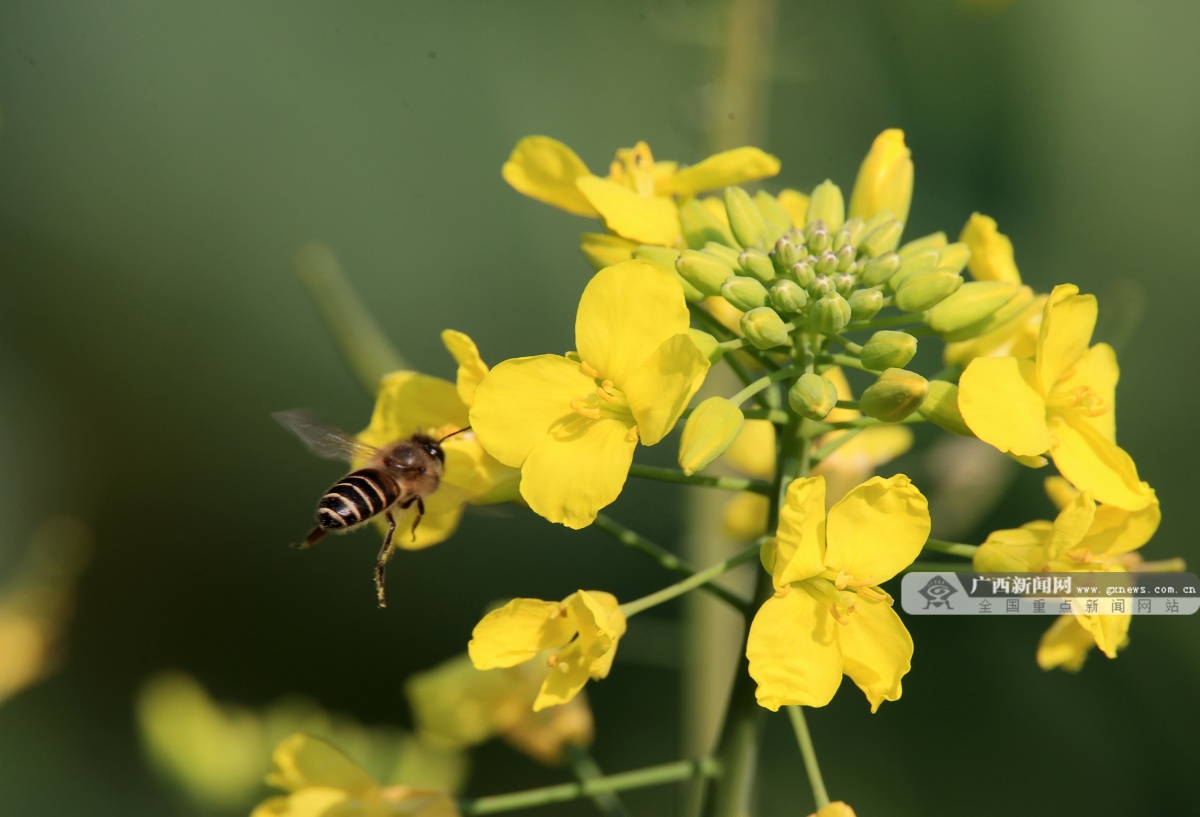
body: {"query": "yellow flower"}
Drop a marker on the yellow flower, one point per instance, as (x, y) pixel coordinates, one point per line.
(409, 402)
(828, 615)
(571, 423)
(885, 179)
(581, 633)
(461, 706)
(636, 200)
(323, 782)
(835, 809)
(1060, 403)
(1084, 537)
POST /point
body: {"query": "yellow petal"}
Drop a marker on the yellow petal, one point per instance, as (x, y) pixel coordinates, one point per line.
(1071, 525)
(1067, 324)
(796, 205)
(566, 678)
(735, 166)
(601, 623)
(991, 251)
(1093, 463)
(1110, 632)
(311, 802)
(793, 648)
(835, 809)
(661, 387)
(576, 469)
(442, 515)
(476, 476)
(1116, 530)
(301, 761)
(625, 313)
(603, 250)
(1096, 372)
(520, 399)
(798, 550)
(878, 529)
(471, 368)
(644, 219)
(885, 179)
(1066, 645)
(877, 650)
(518, 631)
(1000, 406)
(1018, 550)
(545, 169)
(408, 402)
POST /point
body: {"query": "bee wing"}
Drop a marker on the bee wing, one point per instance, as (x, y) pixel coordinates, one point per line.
(321, 439)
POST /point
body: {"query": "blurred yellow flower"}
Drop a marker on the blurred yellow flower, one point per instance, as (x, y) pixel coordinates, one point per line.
(885, 179)
(323, 782)
(835, 809)
(571, 423)
(828, 616)
(580, 633)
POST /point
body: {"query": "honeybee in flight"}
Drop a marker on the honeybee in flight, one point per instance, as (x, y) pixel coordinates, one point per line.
(398, 475)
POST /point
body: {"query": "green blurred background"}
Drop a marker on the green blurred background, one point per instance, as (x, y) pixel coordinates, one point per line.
(160, 164)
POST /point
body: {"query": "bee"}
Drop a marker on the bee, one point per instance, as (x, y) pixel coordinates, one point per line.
(399, 475)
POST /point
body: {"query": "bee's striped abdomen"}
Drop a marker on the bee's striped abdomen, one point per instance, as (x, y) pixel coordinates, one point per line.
(356, 498)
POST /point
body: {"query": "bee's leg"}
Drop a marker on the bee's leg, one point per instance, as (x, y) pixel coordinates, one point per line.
(311, 539)
(385, 555)
(420, 513)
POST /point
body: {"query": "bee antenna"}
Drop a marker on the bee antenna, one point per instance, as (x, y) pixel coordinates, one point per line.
(452, 433)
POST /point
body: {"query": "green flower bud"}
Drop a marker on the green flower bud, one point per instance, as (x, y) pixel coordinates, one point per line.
(1015, 306)
(666, 257)
(955, 256)
(853, 230)
(744, 292)
(941, 408)
(788, 296)
(764, 328)
(699, 225)
(829, 314)
(843, 282)
(813, 396)
(826, 263)
(819, 239)
(724, 253)
(702, 271)
(803, 273)
(974, 302)
(895, 395)
(933, 241)
(747, 223)
(883, 238)
(926, 291)
(880, 268)
(913, 266)
(845, 258)
(757, 264)
(826, 204)
(785, 254)
(888, 349)
(777, 219)
(709, 346)
(796, 237)
(710, 429)
(865, 304)
(820, 286)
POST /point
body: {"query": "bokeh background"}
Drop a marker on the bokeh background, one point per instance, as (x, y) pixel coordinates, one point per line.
(160, 165)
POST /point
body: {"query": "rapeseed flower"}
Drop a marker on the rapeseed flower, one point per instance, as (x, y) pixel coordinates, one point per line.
(571, 423)
(828, 616)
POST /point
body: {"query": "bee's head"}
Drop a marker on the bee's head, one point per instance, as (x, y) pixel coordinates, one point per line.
(430, 446)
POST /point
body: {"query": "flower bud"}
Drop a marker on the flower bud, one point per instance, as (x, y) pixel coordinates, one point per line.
(880, 268)
(747, 223)
(764, 328)
(888, 349)
(826, 204)
(830, 314)
(941, 408)
(803, 272)
(666, 257)
(845, 257)
(820, 285)
(785, 254)
(955, 256)
(973, 303)
(926, 291)
(854, 230)
(819, 239)
(844, 283)
(702, 271)
(1021, 301)
(603, 249)
(895, 395)
(788, 296)
(710, 429)
(865, 304)
(912, 266)
(709, 346)
(885, 179)
(813, 396)
(826, 263)
(757, 264)
(796, 237)
(991, 251)
(744, 292)
(933, 241)
(699, 225)
(883, 238)
(724, 253)
(777, 219)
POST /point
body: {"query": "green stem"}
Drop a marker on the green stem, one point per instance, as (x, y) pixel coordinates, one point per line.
(698, 579)
(847, 362)
(865, 422)
(796, 714)
(834, 444)
(849, 345)
(756, 486)
(762, 383)
(779, 418)
(586, 770)
(664, 557)
(741, 343)
(950, 548)
(639, 778)
(744, 375)
(881, 323)
(354, 331)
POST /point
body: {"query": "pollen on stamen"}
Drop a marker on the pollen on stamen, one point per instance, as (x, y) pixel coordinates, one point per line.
(590, 370)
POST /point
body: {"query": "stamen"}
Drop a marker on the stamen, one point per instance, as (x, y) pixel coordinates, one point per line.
(632, 434)
(586, 406)
(590, 370)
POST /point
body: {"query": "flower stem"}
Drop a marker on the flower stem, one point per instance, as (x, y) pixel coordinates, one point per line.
(586, 770)
(834, 444)
(762, 383)
(777, 417)
(355, 333)
(698, 579)
(636, 779)
(950, 548)
(756, 486)
(664, 557)
(796, 714)
(847, 362)
(881, 323)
